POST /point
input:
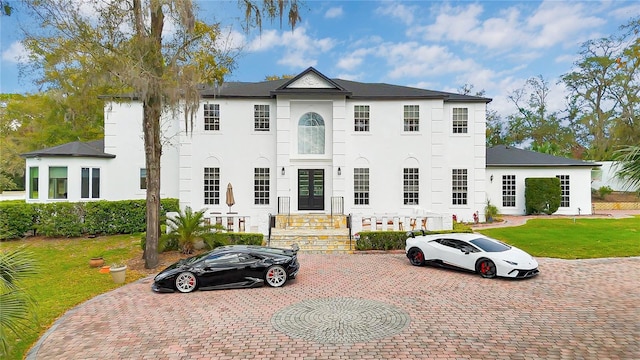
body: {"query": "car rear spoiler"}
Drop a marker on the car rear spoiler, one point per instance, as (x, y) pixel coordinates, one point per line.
(412, 234)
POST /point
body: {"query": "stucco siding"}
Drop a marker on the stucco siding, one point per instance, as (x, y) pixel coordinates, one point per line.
(579, 188)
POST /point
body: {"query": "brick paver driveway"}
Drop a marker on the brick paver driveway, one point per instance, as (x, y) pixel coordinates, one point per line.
(588, 309)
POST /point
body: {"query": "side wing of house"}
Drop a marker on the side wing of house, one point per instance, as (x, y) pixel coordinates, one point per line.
(508, 167)
(506, 188)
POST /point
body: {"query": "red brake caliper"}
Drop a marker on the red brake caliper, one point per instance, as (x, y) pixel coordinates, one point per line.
(483, 267)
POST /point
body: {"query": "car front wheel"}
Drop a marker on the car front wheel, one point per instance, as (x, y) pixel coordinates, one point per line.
(416, 257)
(186, 282)
(276, 276)
(486, 268)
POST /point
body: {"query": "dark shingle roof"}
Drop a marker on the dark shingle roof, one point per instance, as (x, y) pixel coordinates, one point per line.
(74, 149)
(508, 156)
(351, 89)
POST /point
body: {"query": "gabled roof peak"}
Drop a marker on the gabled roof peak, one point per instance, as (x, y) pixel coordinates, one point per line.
(311, 81)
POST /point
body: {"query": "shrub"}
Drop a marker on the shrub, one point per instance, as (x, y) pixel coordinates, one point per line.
(604, 191)
(542, 195)
(396, 240)
(16, 218)
(60, 219)
(490, 211)
(73, 219)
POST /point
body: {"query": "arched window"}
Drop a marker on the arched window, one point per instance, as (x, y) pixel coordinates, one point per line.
(311, 134)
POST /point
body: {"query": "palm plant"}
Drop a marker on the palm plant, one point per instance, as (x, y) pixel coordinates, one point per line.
(16, 304)
(629, 166)
(188, 226)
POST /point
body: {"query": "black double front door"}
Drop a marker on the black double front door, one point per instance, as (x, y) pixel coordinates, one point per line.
(310, 189)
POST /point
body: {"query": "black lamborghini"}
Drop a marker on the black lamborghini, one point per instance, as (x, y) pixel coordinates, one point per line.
(226, 267)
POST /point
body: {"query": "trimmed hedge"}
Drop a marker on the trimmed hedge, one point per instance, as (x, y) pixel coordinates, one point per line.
(60, 219)
(542, 195)
(396, 240)
(65, 219)
(16, 218)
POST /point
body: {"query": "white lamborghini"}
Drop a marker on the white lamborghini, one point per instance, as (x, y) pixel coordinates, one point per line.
(474, 252)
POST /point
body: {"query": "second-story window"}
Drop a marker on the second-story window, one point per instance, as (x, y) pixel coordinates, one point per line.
(261, 117)
(411, 118)
(460, 120)
(212, 117)
(361, 118)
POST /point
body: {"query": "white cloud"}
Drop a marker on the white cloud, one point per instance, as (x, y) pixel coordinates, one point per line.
(300, 49)
(353, 59)
(500, 32)
(15, 54)
(398, 11)
(267, 40)
(412, 59)
(334, 12)
(626, 12)
(452, 23)
(552, 23)
(555, 22)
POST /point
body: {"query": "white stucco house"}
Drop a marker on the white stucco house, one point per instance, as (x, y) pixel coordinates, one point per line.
(309, 144)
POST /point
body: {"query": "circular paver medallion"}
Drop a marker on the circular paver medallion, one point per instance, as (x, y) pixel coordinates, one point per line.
(340, 320)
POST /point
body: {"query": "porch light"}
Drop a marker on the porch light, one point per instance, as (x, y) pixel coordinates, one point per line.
(339, 171)
(282, 171)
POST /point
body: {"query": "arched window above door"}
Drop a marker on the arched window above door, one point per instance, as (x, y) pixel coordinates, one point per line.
(311, 134)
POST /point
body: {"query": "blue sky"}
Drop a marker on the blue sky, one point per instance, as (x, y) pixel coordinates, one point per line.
(437, 45)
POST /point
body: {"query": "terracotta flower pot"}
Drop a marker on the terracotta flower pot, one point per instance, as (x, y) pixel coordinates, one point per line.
(96, 262)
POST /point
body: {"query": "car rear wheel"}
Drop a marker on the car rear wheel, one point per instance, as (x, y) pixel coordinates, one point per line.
(416, 257)
(486, 268)
(186, 282)
(276, 276)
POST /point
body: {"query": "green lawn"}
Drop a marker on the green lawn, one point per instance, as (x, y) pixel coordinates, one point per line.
(569, 239)
(65, 278)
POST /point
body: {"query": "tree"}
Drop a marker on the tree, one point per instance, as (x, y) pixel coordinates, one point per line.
(604, 93)
(278, 77)
(496, 132)
(626, 86)
(590, 86)
(534, 123)
(123, 43)
(16, 304)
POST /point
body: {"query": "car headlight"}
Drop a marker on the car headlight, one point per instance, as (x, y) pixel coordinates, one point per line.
(511, 262)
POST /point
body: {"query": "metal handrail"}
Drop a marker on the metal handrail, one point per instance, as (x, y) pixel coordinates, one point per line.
(337, 205)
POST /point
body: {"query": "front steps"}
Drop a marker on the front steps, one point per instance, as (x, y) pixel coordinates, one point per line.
(314, 233)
